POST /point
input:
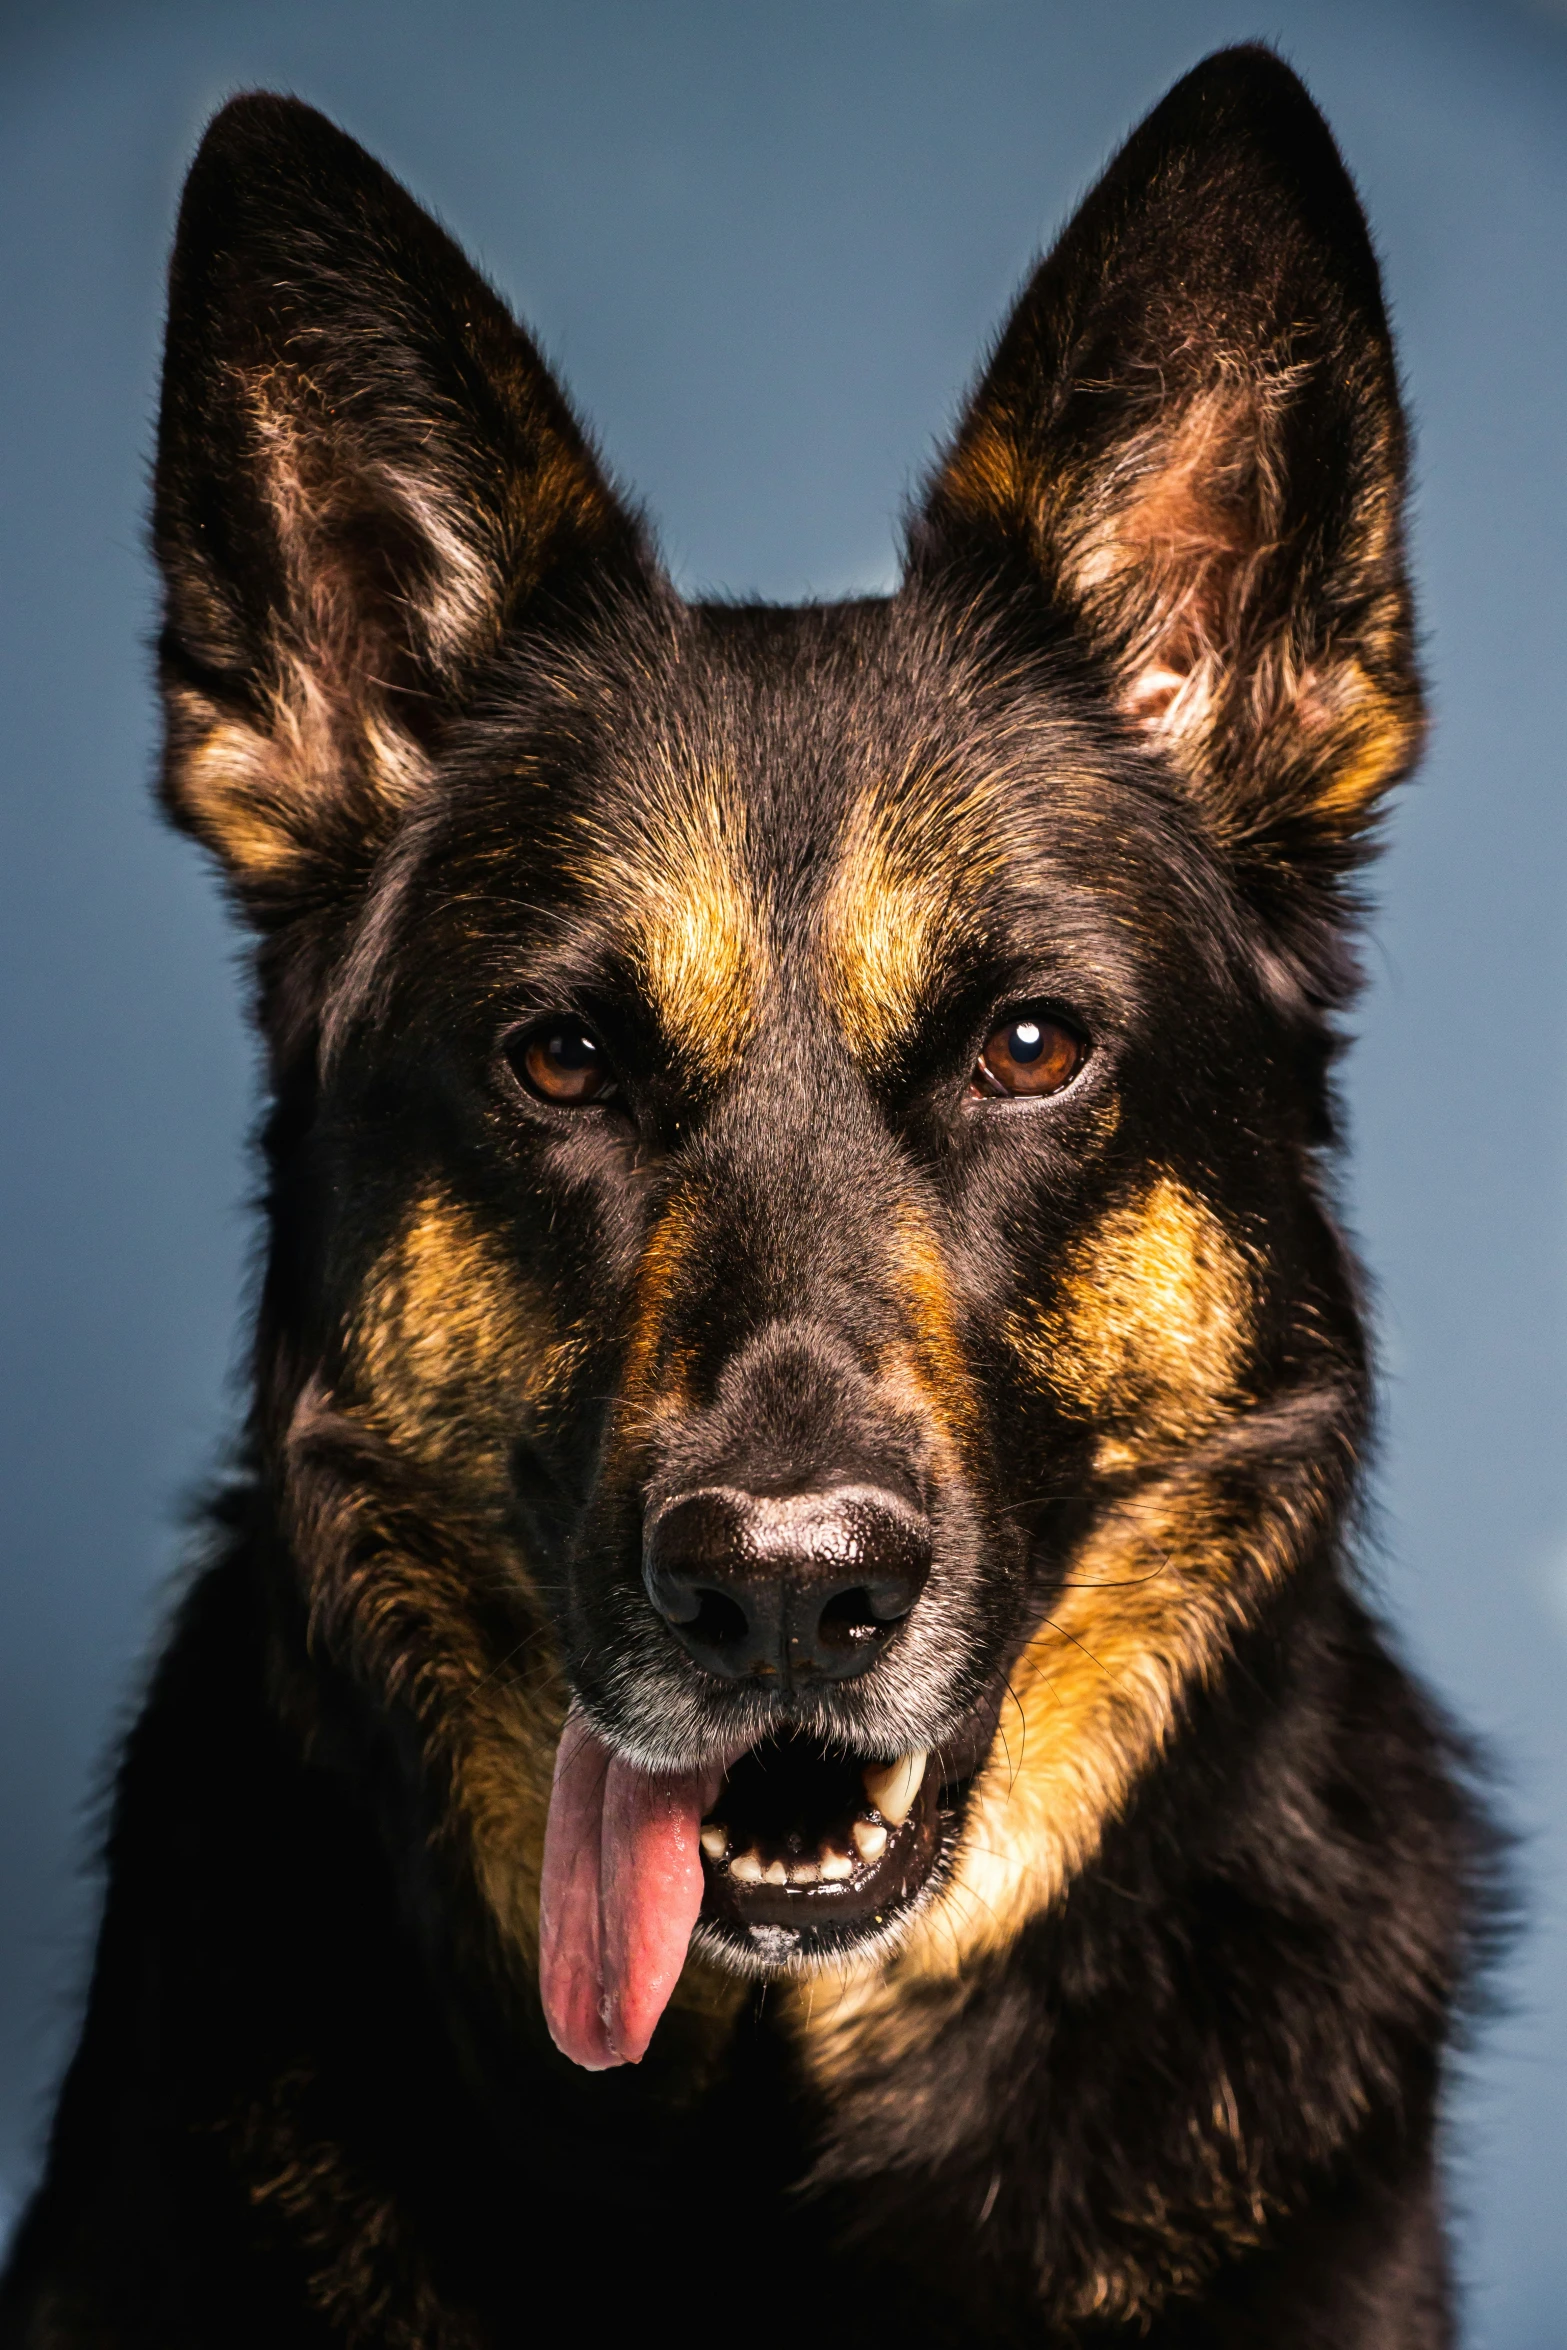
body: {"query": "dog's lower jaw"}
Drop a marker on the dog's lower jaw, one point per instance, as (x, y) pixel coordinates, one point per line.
(844, 1906)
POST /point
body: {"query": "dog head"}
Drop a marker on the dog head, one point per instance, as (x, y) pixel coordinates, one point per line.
(797, 1207)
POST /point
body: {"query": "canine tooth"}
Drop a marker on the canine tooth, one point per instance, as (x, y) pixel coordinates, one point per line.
(835, 1867)
(775, 1873)
(804, 1872)
(870, 1839)
(892, 1787)
(715, 1840)
(747, 1866)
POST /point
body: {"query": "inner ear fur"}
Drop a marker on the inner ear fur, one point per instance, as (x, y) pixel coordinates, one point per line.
(1189, 442)
(365, 478)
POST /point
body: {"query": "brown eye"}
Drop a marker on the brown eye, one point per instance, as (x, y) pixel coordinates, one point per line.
(1030, 1055)
(561, 1061)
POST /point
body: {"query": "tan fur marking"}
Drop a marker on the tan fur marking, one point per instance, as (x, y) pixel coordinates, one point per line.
(934, 1364)
(451, 1348)
(232, 787)
(986, 474)
(449, 1354)
(696, 929)
(1149, 1326)
(914, 858)
(1367, 740)
(258, 795)
(1169, 556)
(652, 1383)
(502, 1769)
(1163, 550)
(401, 1585)
(1167, 544)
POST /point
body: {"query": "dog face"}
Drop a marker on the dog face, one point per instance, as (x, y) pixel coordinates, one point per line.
(797, 1221)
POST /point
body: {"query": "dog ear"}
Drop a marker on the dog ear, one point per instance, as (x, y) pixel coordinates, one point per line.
(365, 478)
(1189, 437)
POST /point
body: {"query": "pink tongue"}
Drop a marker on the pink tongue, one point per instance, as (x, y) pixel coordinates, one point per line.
(622, 1887)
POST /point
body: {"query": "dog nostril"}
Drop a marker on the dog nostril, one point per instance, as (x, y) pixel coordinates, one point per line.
(850, 1619)
(690, 1606)
(854, 1623)
(719, 1622)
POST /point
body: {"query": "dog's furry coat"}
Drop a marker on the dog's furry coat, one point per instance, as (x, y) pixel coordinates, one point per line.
(655, 999)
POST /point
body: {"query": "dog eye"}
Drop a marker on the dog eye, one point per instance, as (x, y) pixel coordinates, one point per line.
(1033, 1054)
(561, 1061)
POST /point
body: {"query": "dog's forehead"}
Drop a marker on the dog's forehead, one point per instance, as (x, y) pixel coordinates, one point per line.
(841, 809)
(807, 803)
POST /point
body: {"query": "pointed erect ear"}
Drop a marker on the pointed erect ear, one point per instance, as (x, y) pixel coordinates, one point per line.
(1189, 442)
(365, 479)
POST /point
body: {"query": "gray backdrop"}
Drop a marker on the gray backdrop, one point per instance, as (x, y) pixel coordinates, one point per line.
(764, 239)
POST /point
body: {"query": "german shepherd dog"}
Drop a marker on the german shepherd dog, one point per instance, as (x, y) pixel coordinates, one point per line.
(776, 1721)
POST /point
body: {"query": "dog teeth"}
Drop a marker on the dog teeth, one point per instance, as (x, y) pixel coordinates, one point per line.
(827, 1866)
(892, 1787)
(870, 1839)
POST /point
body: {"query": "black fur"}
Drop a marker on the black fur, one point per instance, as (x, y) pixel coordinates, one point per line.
(1114, 751)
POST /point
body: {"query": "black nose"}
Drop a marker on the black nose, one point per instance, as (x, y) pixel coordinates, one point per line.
(785, 1587)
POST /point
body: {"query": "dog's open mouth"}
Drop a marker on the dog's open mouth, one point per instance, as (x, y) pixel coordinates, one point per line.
(796, 1855)
(807, 1852)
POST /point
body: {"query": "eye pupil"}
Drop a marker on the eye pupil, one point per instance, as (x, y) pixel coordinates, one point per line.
(1026, 1040)
(572, 1048)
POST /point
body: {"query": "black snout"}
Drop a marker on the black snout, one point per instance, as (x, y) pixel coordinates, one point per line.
(785, 1587)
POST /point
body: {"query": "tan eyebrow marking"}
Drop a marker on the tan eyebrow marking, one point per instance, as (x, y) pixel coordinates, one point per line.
(913, 859)
(696, 927)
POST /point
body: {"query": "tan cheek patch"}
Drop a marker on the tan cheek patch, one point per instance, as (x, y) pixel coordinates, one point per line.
(405, 1581)
(449, 1348)
(1149, 1327)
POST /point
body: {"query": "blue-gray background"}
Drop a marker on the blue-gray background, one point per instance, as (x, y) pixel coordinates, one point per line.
(764, 240)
